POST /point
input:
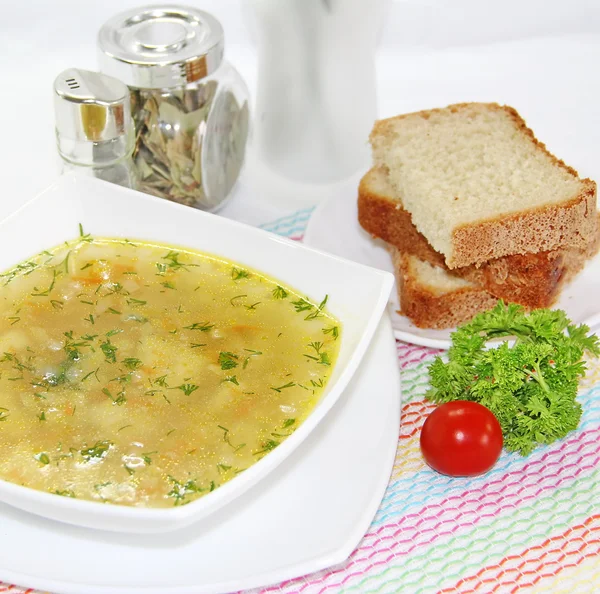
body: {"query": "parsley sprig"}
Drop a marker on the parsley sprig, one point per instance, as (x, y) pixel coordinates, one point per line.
(531, 385)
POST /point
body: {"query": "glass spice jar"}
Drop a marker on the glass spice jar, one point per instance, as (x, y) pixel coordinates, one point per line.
(189, 106)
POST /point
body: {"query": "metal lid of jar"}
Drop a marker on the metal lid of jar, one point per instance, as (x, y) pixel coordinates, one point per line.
(90, 106)
(160, 46)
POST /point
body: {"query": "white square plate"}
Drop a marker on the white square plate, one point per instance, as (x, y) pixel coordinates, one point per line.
(357, 297)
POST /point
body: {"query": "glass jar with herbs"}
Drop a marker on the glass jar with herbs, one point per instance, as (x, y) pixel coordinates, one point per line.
(189, 106)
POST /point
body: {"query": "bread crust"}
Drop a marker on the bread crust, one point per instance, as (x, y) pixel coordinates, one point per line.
(536, 230)
(428, 310)
(570, 224)
(532, 280)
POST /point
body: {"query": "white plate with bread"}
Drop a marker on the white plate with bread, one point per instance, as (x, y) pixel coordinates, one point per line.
(466, 206)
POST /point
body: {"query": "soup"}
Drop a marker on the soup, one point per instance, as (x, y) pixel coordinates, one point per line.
(146, 375)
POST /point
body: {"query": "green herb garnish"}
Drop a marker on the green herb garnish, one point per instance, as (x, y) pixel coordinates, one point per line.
(531, 386)
(109, 350)
(119, 399)
(25, 269)
(302, 305)
(227, 440)
(252, 354)
(267, 446)
(99, 450)
(84, 236)
(319, 311)
(42, 458)
(288, 385)
(227, 360)
(202, 326)
(72, 346)
(235, 298)
(124, 379)
(181, 490)
(161, 381)
(333, 330)
(173, 261)
(187, 389)
(279, 292)
(39, 293)
(132, 363)
(65, 493)
(146, 457)
(322, 357)
(132, 301)
(94, 373)
(239, 273)
(116, 288)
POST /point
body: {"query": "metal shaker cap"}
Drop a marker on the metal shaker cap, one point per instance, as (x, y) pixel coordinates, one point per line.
(161, 46)
(91, 107)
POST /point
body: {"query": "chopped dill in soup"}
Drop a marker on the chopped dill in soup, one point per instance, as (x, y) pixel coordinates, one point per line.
(146, 375)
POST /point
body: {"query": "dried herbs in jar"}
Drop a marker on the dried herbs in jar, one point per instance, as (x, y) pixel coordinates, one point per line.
(190, 107)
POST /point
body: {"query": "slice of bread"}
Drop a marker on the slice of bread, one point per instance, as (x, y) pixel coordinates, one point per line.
(432, 297)
(479, 185)
(532, 280)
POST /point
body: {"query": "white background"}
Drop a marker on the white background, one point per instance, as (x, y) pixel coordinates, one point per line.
(543, 57)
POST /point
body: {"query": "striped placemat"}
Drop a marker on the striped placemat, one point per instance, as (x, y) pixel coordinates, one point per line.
(291, 226)
(532, 524)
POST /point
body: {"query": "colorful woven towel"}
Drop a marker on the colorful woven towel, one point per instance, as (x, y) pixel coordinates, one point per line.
(529, 525)
(532, 524)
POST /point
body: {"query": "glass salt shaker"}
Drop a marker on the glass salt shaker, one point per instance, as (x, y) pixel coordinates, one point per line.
(190, 107)
(94, 129)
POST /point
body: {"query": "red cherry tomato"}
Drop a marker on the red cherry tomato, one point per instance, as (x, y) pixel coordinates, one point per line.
(461, 438)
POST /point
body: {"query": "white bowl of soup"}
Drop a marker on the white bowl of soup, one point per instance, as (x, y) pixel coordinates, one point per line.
(157, 361)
